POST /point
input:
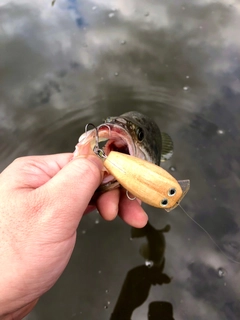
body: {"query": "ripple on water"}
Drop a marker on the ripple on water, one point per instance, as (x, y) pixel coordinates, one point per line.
(53, 131)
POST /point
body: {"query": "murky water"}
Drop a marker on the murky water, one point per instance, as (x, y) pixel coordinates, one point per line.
(69, 62)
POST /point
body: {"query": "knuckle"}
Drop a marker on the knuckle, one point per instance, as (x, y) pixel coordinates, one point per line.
(19, 160)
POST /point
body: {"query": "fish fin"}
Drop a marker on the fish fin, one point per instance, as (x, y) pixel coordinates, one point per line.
(167, 147)
(144, 251)
(138, 233)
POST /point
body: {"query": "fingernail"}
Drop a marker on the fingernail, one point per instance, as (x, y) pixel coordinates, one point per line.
(139, 201)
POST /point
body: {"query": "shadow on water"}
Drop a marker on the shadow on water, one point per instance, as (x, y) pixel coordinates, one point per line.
(139, 280)
(74, 62)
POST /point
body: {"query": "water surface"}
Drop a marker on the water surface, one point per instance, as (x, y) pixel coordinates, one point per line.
(67, 63)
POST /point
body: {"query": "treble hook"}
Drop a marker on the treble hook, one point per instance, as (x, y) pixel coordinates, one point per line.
(105, 125)
(96, 135)
(96, 149)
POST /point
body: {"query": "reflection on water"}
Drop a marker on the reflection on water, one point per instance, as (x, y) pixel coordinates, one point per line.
(139, 280)
(71, 62)
(137, 284)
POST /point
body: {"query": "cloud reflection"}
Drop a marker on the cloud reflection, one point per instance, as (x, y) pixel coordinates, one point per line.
(62, 65)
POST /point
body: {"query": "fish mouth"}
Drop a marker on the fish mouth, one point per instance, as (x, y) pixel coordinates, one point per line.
(111, 137)
(118, 139)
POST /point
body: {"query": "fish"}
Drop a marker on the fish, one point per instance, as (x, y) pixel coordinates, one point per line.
(131, 133)
(154, 250)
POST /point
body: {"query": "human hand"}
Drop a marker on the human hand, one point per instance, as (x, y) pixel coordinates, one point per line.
(42, 200)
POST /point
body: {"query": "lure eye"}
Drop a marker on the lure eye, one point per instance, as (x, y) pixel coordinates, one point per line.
(164, 202)
(140, 134)
(172, 192)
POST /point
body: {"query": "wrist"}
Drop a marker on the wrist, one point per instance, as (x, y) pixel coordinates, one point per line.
(16, 299)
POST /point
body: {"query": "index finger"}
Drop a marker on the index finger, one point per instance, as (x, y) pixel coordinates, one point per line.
(25, 171)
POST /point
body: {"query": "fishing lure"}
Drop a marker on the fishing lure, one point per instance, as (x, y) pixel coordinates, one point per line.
(144, 180)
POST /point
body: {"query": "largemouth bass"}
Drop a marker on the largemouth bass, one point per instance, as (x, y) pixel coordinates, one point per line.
(132, 133)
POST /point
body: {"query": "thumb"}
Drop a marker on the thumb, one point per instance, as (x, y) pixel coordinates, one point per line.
(71, 189)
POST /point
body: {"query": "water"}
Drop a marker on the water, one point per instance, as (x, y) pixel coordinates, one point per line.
(52, 84)
(149, 264)
(220, 131)
(221, 272)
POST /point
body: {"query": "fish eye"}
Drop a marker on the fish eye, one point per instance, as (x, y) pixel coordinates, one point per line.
(172, 192)
(164, 202)
(140, 134)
